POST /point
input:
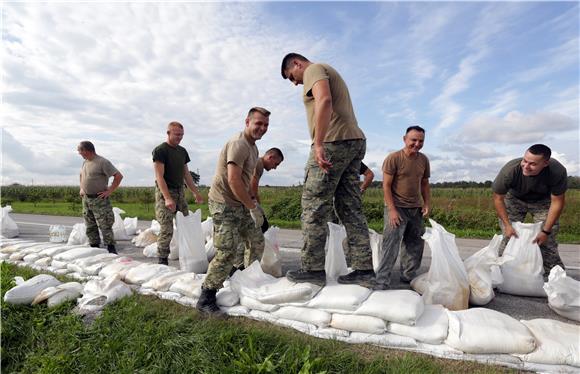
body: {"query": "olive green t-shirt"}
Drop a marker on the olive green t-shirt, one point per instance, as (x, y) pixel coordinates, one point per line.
(259, 168)
(239, 151)
(174, 160)
(95, 174)
(343, 124)
(407, 174)
(552, 180)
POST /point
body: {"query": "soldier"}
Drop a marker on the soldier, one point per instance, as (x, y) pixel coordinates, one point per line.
(236, 216)
(332, 171)
(536, 184)
(97, 209)
(170, 166)
(405, 183)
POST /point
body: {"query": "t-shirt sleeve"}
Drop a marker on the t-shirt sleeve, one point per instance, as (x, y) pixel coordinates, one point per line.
(427, 173)
(186, 156)
(109, 169)
(363, 168)
(159, 155)
(236, 154)
(561, 184)
(313, 74)
(259, 171)
(389, 165)
(501, 184)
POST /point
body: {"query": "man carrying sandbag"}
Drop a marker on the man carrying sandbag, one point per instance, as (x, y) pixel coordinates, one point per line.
(236, 216)
(405, 183)
(97, 209)
(536, 184)
(170, 166)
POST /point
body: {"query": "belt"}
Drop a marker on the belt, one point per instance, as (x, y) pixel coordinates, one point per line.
(91, 195)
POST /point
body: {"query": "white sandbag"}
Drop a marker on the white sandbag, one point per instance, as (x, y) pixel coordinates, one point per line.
(164, 281)
(251, 303)
(76, 253)
(254, 283)
(119, 226)
(271, 262)
(523, 267)
(330, 333)
(57, 295)
(210, 250)
(383, 340)
(57, 234)
(145, 238)
(118, 266)
(11, 247)
(188, 285)
(144, 272)
(85, 262)
(563, 294)
(43, 262)
(58, 265)
(335, 262)
(480, 272)
(155, 227)
(235, 311)
(340, 297)
(19, 255)
(558, 343)
(446, 283)
(9, 227)
(130, 224)
(376, 248)
(350, 322)
(176, 296)
(53, 251)
(98, 293)
(402, 306)
(481, 330)
(226, 297)
(31, 258)
(313, 316)
(207, 228)
(192, 256)
(151, 250)
(431, 327)
(262, 316)
(303, 327)
(78, 235)
(25, 292)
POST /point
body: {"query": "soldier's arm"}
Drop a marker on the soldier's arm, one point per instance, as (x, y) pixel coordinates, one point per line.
(117, 177)
(81, 191)
(368, 179)
(322, 114)
(426, 194)
(394, 218)
(557, 203)
(159, 169)
(191, 185)
(254, 184)
(237, 186)
(499, 204)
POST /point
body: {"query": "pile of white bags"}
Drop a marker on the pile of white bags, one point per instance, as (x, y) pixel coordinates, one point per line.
(522, 267)
(484, 273)
(57, 234)
(563, 294)
(9, 227)
(26, 291)
(335, 262)
(119, 226)
(98, 293)
(271, 262)
(147, 236)
(558, 343)
(446, 283)
(190, 239)
(78, 235)
(431, 327)
(57, 295)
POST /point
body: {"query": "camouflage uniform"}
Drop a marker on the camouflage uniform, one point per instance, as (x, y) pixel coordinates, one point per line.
(408, 233)
(165, 217)
(98, 214)
(517, 210)
(342, 183)
(232, 226)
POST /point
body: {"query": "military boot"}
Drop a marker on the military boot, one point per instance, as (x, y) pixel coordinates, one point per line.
(302, 276)
(361, 277)
(207, 302)
(111, 248)
(163, 261)
(95, 245)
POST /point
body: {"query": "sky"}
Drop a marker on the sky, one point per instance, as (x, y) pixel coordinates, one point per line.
(485, 79)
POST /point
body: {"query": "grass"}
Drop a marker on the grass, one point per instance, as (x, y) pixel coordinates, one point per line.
(142, 334)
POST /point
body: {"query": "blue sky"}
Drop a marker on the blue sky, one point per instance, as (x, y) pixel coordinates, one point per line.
(485, 79)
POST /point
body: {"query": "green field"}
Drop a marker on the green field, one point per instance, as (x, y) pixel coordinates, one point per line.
(143, 334)
(466, 212)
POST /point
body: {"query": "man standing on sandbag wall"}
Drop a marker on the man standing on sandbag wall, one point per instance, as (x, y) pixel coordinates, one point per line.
(332, 171)
(536, 184)
(237, 218)
(405, 183)
(170, 167)
(97, 209)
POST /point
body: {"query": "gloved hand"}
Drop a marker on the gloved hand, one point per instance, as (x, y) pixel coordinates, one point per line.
(257, 215)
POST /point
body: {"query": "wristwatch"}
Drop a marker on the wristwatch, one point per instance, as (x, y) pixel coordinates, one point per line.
(546, 232)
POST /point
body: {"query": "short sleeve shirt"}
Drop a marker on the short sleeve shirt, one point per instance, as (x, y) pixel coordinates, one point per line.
(552, 180)
(343, 124)
(407, 174)
(95, 174)
(259, 168)
(174, 159)
(239, 151)
(363, 168)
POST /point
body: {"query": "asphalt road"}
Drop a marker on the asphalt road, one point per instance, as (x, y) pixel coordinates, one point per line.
(35, 227)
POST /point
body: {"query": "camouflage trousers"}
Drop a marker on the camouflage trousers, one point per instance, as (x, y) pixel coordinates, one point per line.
(341, 183)
(517, 211)
(233, 232)
(98, 214)
(406, 239)
(246, 255)
(165, 217)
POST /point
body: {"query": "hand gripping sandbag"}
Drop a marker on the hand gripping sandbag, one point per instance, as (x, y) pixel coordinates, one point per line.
(192, 256)
(119, 231)
(563, 294)
(482, 267)
(335, 262)
(9, 227)
(446, 283)
(25, 292)
(271, 263)
(522, 267)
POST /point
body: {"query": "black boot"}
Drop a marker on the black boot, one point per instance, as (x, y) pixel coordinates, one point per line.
(97, 245)
(361, 277)
(111, 248)
(163, 261)
(207, 302)
(301, 276)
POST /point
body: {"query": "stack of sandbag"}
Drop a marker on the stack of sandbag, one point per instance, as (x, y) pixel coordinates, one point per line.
(119, 266)
(563, 294)
(271, 261)
(26, 291)
(522, 267)
(98, 293)
(557, 343)
(484, 273)
(61, 260)
(446, 283)
(57, 295)
(9, 227)
(92, 265)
